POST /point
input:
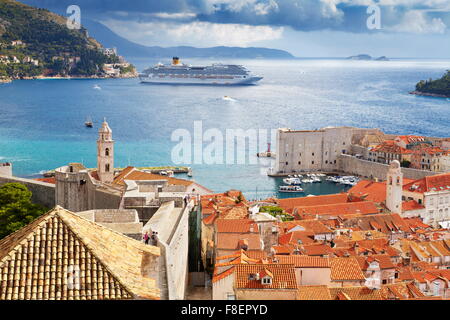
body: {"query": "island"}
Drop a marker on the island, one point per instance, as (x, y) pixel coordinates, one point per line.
(439, 88)
(36, 43)
(366, 57)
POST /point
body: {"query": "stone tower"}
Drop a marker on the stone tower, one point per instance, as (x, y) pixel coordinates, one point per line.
(105, 154)
(394, 187)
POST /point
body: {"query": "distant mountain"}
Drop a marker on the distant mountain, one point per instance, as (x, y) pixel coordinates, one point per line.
(366, 57)
(127, 48)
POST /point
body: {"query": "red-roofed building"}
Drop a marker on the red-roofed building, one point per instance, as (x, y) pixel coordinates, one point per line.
(433, 193)
(265, 282)
(309, 270)
(389, 151)
(339, 209)
(289, 204)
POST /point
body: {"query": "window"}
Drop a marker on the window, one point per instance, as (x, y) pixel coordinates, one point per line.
(287, 163)
(267, 280)
(107, 152)
(312, 162)
(299, 162)
(107, 167)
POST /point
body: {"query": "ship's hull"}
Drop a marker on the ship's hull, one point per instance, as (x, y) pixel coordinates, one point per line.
(199, 81)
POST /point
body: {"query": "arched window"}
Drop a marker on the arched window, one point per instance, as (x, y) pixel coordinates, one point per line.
(107, 152)
(107, 167)
(390, 180)
(398, 180)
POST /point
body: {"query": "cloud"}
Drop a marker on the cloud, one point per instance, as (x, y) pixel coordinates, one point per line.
(417, 22)
(301, 15)
(196, 33)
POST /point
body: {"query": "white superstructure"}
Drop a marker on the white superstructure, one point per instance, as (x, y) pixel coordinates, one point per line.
(216, 74)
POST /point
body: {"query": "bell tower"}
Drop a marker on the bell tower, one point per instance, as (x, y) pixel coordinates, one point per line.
(105, 154)
(394, 188)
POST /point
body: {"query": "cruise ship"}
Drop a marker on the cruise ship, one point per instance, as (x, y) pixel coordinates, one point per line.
(216, 74)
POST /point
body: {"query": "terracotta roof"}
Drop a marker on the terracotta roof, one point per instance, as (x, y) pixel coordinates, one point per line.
(230, 241)
(410, 139)
(438, 182)
(290, 203)
(283, 276)
(384, 261)
(234, 259)
(131, 173)
(345, 269)
(314, 226)
(371, 190)
(317, 250)
(355, 293)
(411, 205)
(416, 223)
(236, 226)
(313, 293)
(296, 238)
(363, 207)
(35, 261)
(303, 261)
(51, 180)
(389, 146)
(385, 221)
(222, 275)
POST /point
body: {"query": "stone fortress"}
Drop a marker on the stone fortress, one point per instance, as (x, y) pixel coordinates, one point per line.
(357, 151)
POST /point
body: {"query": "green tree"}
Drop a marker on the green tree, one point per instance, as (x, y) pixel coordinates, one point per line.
(16, 208)
(405, 163)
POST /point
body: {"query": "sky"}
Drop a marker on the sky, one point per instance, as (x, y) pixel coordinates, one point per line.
(306, 28)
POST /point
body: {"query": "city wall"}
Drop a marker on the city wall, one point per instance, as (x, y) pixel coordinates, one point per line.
(43, 193)
(374, 170)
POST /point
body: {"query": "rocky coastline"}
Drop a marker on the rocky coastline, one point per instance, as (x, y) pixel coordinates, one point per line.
(427, 94)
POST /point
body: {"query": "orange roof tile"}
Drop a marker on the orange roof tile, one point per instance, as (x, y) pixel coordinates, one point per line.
(230, 241)
(47, 180)
(304, 261)
(438, 182)
(363, 207)
(355, 293)
(389, 146)
(411, 205)
(131, 173)
(313, 293)
(222, 275)
(289, 204)
(345, 269)
(283, 276)
(236, 226)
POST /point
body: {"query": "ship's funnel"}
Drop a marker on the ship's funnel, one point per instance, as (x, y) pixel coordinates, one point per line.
(175, 61)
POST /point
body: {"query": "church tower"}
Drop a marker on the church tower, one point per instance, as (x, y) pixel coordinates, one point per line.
(105, 154)
(394, 187)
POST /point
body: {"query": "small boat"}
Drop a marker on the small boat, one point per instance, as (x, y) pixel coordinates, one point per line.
(88, 123)
(189, 174)
(292, 181)
(97, 87)
(290, 189)
(307, 180)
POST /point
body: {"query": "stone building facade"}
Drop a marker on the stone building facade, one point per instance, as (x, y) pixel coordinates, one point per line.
(302, 151)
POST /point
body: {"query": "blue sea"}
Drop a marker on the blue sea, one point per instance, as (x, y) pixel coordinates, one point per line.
(42, 121)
